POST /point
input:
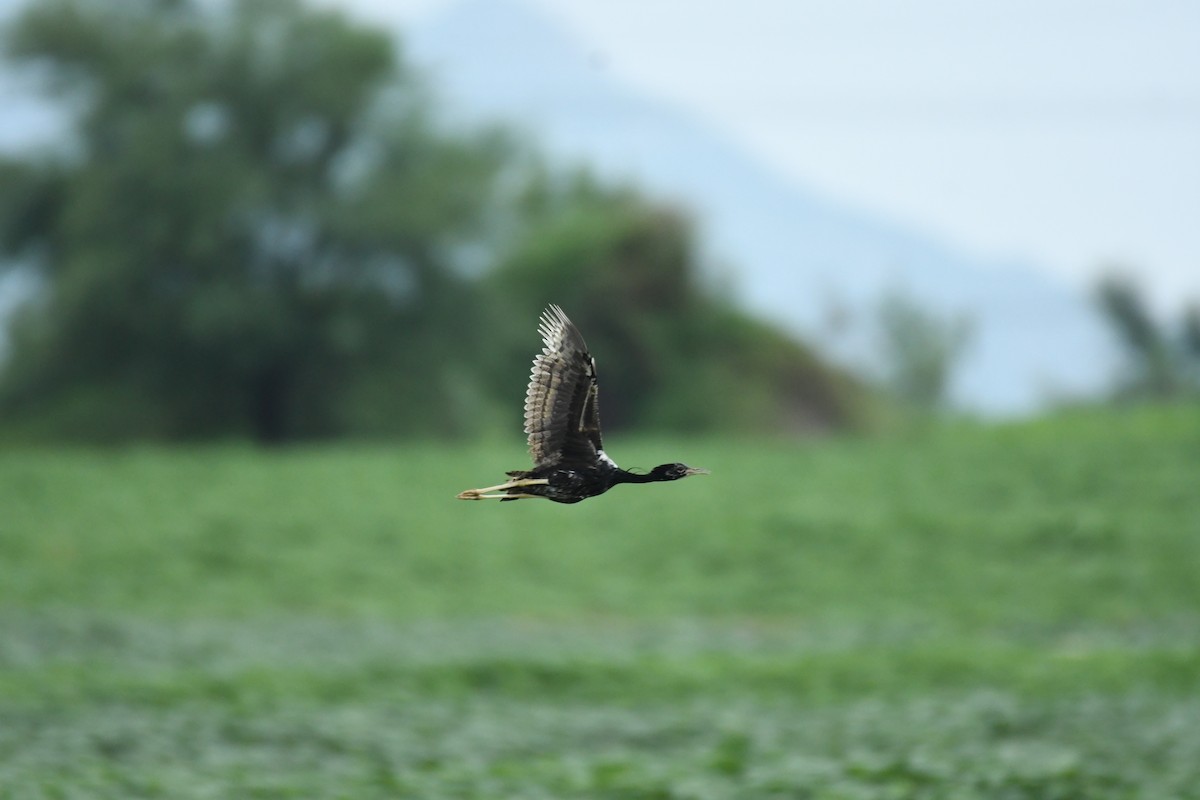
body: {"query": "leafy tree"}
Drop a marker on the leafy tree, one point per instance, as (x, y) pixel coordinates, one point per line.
(920, 350)
(1190, 342)
(1162, 360)
(676, 354)
(255, 208)
(1147, 347)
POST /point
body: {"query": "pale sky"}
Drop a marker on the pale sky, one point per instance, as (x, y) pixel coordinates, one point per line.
(1063, 132)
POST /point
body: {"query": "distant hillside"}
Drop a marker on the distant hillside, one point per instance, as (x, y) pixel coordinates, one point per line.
(797, 256)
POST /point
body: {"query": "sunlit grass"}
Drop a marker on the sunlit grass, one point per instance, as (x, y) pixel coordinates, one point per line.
(973, 612)
(1042, 525)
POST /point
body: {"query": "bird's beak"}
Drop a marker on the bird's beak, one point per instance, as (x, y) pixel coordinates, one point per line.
(696, 471)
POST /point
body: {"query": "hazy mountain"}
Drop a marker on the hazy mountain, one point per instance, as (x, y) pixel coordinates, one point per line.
(797, 257)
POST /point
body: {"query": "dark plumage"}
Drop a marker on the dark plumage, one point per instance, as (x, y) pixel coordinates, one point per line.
(562, 423)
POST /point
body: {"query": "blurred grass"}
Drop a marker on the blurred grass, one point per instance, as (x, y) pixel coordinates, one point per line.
(973, 612)
(1085, 519)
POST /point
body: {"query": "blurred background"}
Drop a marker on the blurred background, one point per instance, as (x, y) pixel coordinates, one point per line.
(276, 221)
(919, 283)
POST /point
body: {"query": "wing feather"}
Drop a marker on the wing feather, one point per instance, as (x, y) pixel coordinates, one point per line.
(562, 419)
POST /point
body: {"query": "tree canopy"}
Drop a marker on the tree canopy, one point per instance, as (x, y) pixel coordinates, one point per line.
(239, 222)
(675, 354)
(921, 349)
(1162, 358)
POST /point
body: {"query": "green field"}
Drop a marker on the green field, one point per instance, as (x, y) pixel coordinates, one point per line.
(971, 612)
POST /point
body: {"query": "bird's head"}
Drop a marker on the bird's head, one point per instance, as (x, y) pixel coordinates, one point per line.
(673, 472)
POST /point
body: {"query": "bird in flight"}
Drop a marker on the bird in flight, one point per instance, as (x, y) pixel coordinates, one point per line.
(562, 423)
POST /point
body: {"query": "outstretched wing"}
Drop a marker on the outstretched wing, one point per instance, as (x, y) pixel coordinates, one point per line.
(562, 418)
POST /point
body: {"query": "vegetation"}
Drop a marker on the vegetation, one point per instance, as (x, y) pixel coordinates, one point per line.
(261, 231)
(920, 351)
(674, 355)
(1162, 360)
(1005, 612)
(243, 227)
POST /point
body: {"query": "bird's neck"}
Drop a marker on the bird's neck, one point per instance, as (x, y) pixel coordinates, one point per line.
(624, 476)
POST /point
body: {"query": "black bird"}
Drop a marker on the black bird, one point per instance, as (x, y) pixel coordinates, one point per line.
(562, 422)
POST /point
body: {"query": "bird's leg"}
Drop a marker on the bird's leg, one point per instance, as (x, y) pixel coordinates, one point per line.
(480, 494)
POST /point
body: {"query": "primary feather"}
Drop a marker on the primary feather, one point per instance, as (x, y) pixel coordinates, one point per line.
(562, 418)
